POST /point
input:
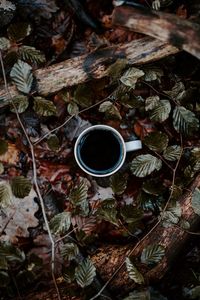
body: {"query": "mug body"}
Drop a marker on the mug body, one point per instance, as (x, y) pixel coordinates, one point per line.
(100, 150)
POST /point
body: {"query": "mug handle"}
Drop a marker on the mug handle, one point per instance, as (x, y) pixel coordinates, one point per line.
(133, 145)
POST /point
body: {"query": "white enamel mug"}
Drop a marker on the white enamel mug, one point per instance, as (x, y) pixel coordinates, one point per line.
(100, 150)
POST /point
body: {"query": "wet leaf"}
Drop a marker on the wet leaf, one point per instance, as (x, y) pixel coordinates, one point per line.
(152, 254)
(161, 111)
(5, 194)
(4, 44)
(79, 193)
(11, 253)
(32, 55)
(84, 95)
(3, 147)
(110, 110)
(184, 120)
(130, 77)
(18, 31)
(44, 107)
(144, 165)
(156, 141)
(171, 216)
(72, 108)
(69, 251)
(118, 183)
(85, 273)
(1, 168)
(53, 142)
(21, 103)
(138, 295)
(21, 74)
(133, 273)
(151, 102)
(153, 187)
(4, 278)
(60, 223)
(131, 214)
(172, 153)
(108, 211)
(196, 201)
(21, 186)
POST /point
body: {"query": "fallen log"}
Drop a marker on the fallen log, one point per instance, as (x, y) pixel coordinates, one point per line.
(80, 69)
(108, 258)
(165, 27)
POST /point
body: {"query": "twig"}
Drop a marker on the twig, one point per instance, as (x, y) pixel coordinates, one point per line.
(8, 221)
(160, 156)
(34, 179)
(187, 231)
(151, 230)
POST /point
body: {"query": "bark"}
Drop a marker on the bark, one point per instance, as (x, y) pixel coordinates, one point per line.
(109, 257)
(165, 27)
(81, 69)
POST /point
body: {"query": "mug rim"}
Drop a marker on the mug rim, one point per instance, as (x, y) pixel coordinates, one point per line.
(106, 127)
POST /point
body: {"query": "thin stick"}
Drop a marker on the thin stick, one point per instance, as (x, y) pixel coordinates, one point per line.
(34, 179)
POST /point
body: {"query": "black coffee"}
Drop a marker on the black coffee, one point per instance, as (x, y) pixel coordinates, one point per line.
(100, 150)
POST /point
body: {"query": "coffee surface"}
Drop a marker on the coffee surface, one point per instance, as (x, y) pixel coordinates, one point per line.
(100, 150)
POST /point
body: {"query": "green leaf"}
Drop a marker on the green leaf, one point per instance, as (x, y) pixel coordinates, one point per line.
(172, 153)
(21, 103)
(153, 187)
(11, 253)
(3, 147)
(32, 55)
(84, 95)
(171, 216)
(144, 165)
(184, 120)
(110, 110)
(68, 273)
(156, 141)
(161, 112)
(79, 193)
(21, 74)
(18, 31)
(152, 254)
(196, 201)
(134, 274)
(69, 251)
(118, 183)
(5, 194)
(116, 68)
(60, 223)
(131, 214)
(108, 211)
(72, 108)
(44, 107)
(4, 44)
(53, 142)
(4, 278)
(85, 273)
(130, 77)
(1, 168)
(21, 186)
(138, 295)
(151, 102)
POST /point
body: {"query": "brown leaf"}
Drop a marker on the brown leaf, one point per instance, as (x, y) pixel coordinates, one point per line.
(11, 156)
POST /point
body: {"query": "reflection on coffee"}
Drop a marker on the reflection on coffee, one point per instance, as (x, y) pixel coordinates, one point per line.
(100, 150)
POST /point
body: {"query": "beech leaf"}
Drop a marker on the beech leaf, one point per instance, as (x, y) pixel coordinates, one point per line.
(4, 44)
(151, 102)
(60, 223)
(79, 193)
(156, 141)
(21, 186)
(161, 111)
(21, 74)
(133, 273)
(32, 55)
(85, 273)
(69, 251)
(21, 104)
(172, 153)
(171, 216)
(144, 165)
(152, 254)
(44, 107)
(18, 31)
(5, 194)
(130, 77)
(118, 183)
(196, 201)
(184, 120)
